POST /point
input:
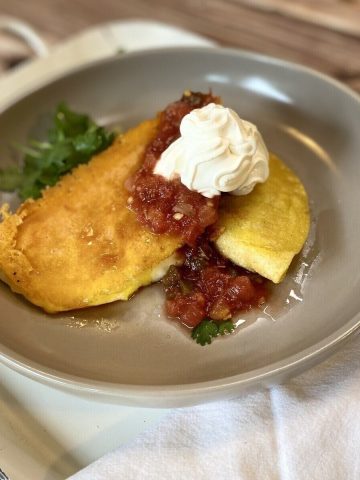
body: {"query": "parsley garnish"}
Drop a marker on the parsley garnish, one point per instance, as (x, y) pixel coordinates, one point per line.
(208, 329)
(205, 331)
(226, 327)
(73, 139)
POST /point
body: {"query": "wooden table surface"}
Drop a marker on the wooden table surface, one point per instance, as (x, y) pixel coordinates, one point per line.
(328, 40)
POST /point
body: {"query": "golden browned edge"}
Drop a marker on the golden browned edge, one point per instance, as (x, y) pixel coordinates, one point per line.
(264, 230)
(79, 245)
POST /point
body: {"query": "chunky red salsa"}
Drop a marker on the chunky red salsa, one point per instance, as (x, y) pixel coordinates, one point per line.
(207, 285)
(170, 207)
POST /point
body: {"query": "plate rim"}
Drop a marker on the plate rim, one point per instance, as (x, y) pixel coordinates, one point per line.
(178, 392)
(238, 52)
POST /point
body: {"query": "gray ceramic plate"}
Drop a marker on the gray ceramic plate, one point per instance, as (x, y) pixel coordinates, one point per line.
(129, 351)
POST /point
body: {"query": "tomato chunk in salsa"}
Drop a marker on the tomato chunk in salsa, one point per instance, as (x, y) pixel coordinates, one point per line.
(207, 285)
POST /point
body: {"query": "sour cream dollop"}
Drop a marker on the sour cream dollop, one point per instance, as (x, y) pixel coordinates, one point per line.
(216, 152)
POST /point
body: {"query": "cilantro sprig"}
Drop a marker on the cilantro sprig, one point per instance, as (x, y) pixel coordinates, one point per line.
(73, 139)
(207, 330)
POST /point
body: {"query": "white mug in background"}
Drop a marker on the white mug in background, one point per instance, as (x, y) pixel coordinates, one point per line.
(109, 39)
(24, 32)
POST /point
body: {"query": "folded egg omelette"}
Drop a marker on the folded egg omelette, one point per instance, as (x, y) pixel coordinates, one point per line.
(79, 245)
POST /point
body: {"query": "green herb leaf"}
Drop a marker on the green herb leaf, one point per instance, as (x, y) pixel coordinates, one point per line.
(73, 139)
(226, 327)
(10, 179)
(208, 329)
(205, 331)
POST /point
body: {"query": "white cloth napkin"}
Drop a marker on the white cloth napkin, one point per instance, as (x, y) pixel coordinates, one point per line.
(308, 429)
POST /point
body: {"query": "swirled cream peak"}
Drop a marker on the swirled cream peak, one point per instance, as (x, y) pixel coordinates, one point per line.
(216, 152)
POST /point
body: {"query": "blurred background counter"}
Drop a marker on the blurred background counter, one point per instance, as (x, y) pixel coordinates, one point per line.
(324, 34)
